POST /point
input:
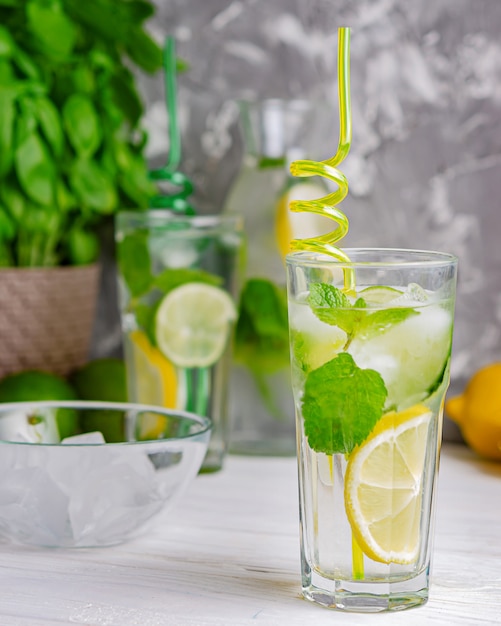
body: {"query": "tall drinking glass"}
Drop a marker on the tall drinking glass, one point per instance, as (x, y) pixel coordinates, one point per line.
(177, 292)
(370, 351)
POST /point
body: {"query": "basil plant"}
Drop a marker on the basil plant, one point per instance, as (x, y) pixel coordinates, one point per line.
(71, 144)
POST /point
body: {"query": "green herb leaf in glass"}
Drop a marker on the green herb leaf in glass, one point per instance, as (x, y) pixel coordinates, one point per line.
(379, 322)
(135, 263)
(169, 279)
(262, 332)
(341, 405)
(333, 307)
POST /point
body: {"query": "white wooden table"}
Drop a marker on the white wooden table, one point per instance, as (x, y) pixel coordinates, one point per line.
(228, 555)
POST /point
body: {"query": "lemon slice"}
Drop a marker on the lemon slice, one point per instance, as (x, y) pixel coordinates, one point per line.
(193, 323)
(155, 382)
(289, 225)
(384, 486)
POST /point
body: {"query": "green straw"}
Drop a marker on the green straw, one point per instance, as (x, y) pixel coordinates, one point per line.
(177, 201)
(326, 206)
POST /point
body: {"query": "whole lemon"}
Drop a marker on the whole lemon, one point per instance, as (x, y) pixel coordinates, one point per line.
(477, 411)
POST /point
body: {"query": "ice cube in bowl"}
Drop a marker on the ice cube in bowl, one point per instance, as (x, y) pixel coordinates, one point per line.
(104, 484)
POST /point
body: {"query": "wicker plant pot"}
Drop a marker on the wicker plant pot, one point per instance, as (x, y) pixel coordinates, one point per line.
(46, 317)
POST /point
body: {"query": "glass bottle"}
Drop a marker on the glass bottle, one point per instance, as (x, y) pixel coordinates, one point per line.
(275, 132)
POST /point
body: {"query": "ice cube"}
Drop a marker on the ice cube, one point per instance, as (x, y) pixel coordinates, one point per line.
(413, 295)
(69, 465)
(85, 438)
(32, 507)
(113, 499)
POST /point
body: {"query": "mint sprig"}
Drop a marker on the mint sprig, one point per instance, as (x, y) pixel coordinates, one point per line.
(333, 307)
(342, 402)
(341, 405)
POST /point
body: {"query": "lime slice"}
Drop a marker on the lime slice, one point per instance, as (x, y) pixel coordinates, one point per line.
(384, 486)
(313, 342)
(192, 324)
(410, 356)
(379, 294)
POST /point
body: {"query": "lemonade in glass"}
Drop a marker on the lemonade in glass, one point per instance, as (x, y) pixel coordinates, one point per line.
(370, 368)
(177, 278)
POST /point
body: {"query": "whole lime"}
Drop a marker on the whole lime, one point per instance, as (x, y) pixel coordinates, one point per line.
(35, 385)
(105, 380)
(101, 379)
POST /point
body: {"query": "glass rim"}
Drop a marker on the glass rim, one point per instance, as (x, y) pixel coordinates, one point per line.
(204, 422)
(155, 217)
(409, 258)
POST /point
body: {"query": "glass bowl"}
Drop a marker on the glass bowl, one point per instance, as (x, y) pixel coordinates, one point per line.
(100, 486)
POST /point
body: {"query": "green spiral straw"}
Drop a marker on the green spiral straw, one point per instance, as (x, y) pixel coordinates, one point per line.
(326, 244)
(326, 206)
(178, 201)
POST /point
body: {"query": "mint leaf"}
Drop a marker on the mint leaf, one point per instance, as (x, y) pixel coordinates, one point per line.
(341, 405)
(145, 319)
(262, 331)
(382, 320)
(323, 295)
(333, 307)
(169, 279)
(134, 262)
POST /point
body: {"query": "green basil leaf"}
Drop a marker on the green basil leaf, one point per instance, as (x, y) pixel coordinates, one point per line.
(6, 257)
(145, 52)
(65, 200)
(99, 17)
(82, 124)
(83, 246)
(136, 183)
(84, 80)
(92, 186)
(26, 121)
(124, 95)
(7, 45)
(13, 200)
(7, 76)
(54, 32)
(6, 133)
(50, 123)
(7, 226)
(35, 169)
(45, 220)
(137, 10)
(26, 65)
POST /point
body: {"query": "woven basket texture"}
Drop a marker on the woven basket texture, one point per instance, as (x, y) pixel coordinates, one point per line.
(46, 317)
